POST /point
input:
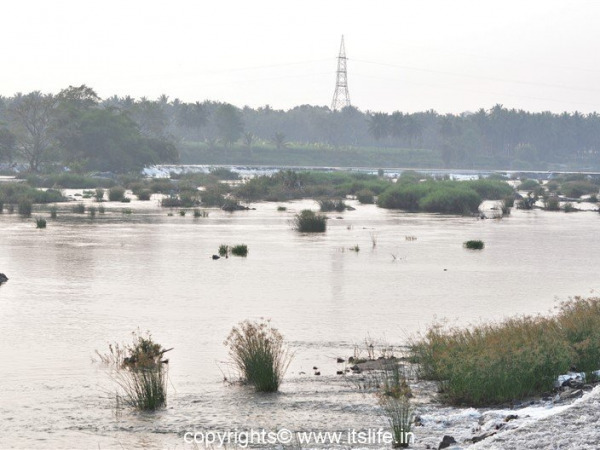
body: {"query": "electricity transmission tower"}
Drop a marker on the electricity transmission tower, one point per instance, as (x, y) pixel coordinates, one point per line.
(341, 96)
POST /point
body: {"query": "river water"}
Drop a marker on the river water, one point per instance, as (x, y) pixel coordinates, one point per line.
(82, 283)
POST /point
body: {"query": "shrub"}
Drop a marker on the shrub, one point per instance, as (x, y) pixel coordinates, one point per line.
(25, 207)
(281, 208)
(575, 189)
(224, 250)
(99, 195)
(309, 222)
(514, 359)
(140, 372)
(259, 353)
(239, 250)
(40, 222)
(53, 212)
(528, 185)
(332, 205)
(552, 204)
(79, 208)
(116, 194)
(182, 212)
(101, 209)
(92, 211)
(568, 207)
(451, 201)
(474, 245)
(365, 196)
(144, 194)
(200, 213)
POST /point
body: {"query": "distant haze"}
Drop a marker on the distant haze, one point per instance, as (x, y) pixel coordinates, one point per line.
(451, 56)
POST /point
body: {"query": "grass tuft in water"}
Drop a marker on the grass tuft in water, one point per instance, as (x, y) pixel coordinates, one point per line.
(79, 208)
(310, 222)
(474, 245)
(53, 212)
(40, 222)
(24, 208)
(239, 250)
(224, 250)
(140, 372)
(259, 353)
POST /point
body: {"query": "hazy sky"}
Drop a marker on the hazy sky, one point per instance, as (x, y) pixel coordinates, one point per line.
(447, 55)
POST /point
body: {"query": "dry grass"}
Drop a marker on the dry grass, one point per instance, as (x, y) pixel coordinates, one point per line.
(139, 371)
(517, 358)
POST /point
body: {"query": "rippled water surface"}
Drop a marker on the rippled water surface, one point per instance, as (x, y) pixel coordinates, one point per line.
(82, 283)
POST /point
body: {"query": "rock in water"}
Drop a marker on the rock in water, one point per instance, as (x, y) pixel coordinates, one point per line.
(447, 441)
(3, 278)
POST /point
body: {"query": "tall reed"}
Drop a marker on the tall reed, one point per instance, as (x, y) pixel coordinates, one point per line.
(259, 353)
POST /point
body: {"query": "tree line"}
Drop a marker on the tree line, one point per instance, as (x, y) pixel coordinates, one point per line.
(77, 129)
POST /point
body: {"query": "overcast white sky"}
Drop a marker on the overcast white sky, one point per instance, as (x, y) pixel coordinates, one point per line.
(451, 56)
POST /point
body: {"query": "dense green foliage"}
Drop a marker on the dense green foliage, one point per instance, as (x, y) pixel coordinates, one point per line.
(15, 192)
(519, 357)
(309, 222)
(446, 196)
(289, 185)
(77, 128)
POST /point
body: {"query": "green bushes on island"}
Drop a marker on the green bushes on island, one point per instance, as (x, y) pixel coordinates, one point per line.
(308, 221)
(258, 352)
(13, 193)
(513, 359)
(446, 196)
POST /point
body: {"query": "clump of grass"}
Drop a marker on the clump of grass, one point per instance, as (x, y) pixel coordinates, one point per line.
(568, 207)
(140, 372)
(99, 194)
(144, 194)
(116, 194)
(356, 248)
(40, 222)
(327, 205)
(552, 204)
(310, 222)
(365, 196)
(92, 210)
(224, 250)
(259, 353)
(514, 359)
(101, 209)
(79, 208)
(127, 211)
(281, 208)
(24, 208)
(53, 212)
(240, 250)
(474, 245)
(399, 413)
(200, 213)
(182, 212)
